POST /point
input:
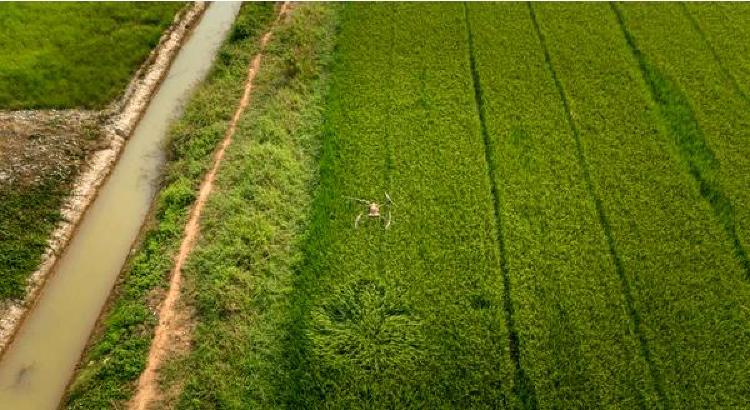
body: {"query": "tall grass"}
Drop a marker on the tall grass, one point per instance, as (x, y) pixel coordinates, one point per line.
(241, 272)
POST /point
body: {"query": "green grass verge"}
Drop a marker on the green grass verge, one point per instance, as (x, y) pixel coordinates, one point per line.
(687, 288)
(118, 351)
(240, 274)
(68, 55)
(577, 340)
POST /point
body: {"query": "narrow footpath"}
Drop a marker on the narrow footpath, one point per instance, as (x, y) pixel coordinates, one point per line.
(147, 390)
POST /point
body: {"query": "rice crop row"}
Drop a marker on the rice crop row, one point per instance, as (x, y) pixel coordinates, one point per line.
(577, 338)
(713, 114)
(724, 26)
(687, 288)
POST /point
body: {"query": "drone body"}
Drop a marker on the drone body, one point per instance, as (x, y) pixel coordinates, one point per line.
(373, 211)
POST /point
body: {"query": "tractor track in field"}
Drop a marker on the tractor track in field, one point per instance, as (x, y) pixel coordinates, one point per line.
(170, 322)
(602, 216)
(690, 142)
(525, 387)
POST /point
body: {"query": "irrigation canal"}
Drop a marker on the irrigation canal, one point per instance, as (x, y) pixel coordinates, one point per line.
(36, 367)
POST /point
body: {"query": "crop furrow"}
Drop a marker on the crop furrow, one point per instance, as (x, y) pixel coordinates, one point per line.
(525, 387)
(601, 213)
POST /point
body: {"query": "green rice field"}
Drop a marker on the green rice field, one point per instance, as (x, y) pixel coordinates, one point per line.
(569, 224)
(75, 55)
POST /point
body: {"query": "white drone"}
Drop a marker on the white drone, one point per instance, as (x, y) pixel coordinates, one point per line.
(374, 210)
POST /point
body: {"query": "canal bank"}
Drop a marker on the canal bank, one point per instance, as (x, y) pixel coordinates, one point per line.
(36, 366)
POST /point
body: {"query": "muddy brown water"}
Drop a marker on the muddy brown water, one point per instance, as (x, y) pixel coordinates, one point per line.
(35, 369)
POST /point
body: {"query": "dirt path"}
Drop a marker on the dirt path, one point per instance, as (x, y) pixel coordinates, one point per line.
(147, 390)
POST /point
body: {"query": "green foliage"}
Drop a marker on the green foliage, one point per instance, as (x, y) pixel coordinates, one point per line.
(66, 55)
(118, 352)
(687, 289)
(242, 272)
(27, 216)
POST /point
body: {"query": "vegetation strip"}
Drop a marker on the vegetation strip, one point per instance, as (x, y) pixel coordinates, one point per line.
(678, 263)
(242, 269)
(118, 352)
(525, 388)
(680, 122)
(601, 214)
(358, 62)
(74, 55)
(146, 391)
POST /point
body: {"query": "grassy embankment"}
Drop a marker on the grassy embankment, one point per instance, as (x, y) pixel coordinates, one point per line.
(68, 55)
(118, 352)
(57, 55)
(686, 286)
(574, 322)
(240, 275)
